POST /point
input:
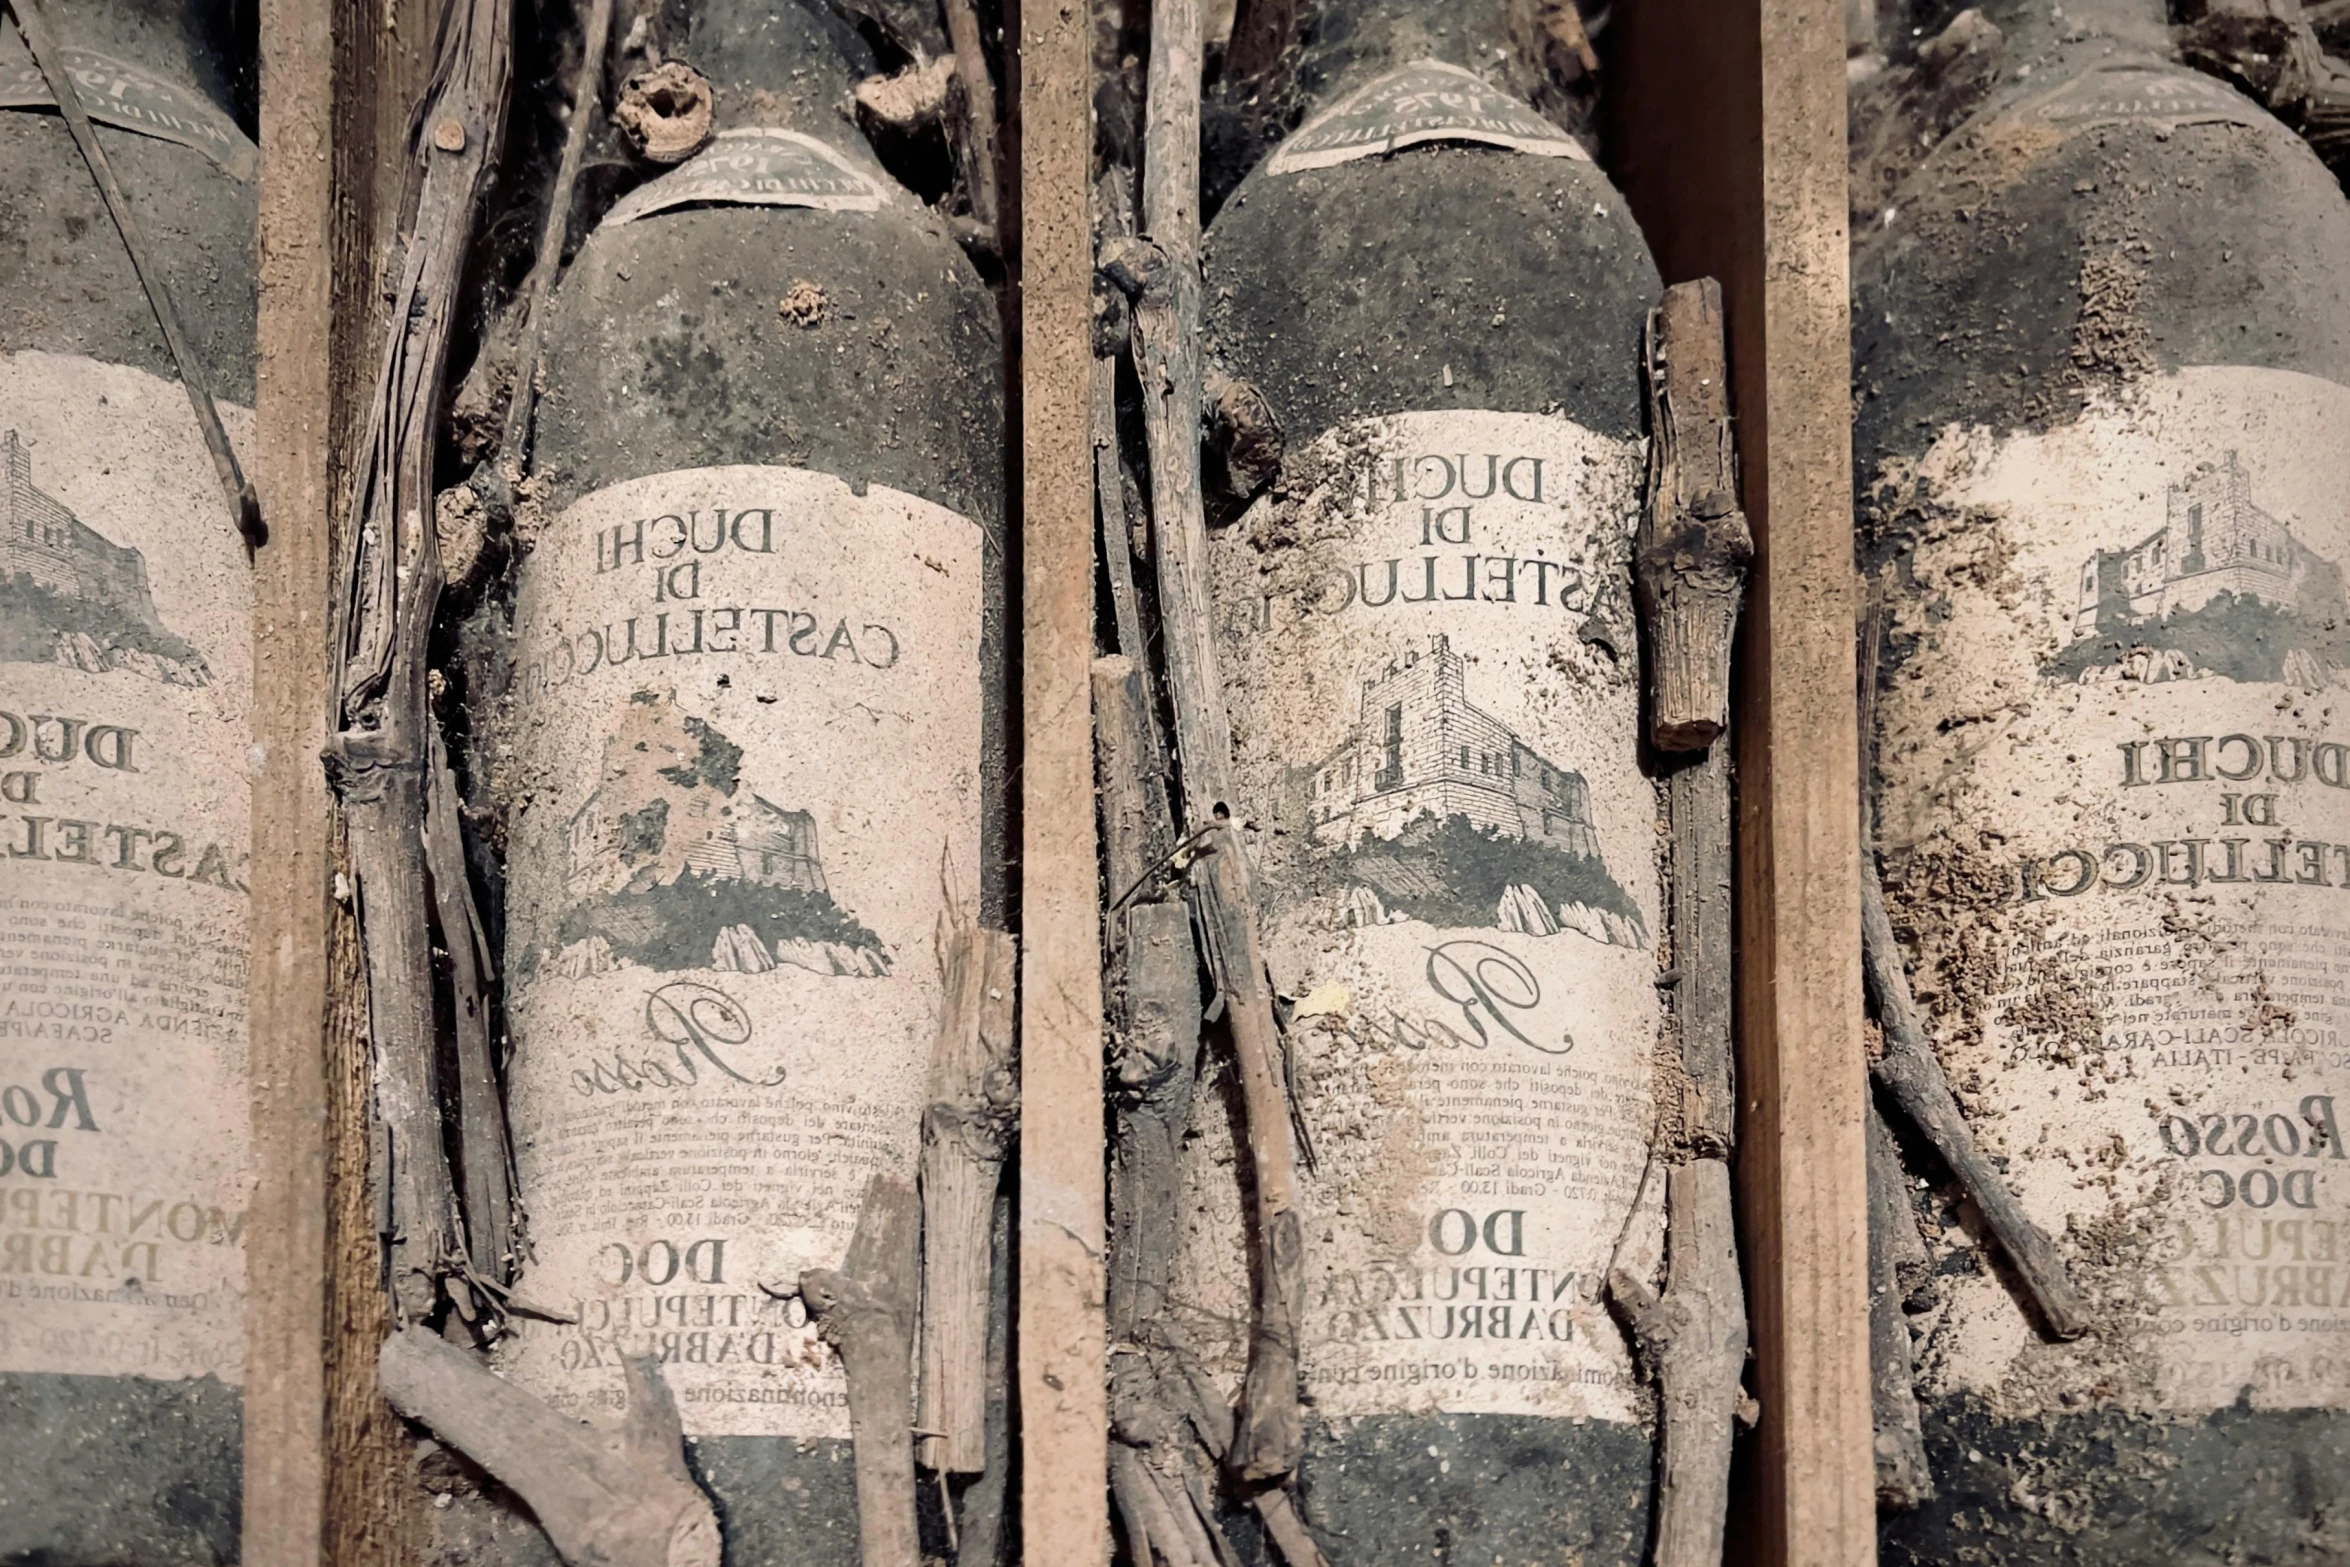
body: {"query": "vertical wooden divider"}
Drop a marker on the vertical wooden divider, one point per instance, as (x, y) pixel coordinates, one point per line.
(287, 1258)
(1062, 1329)
(1726, 130)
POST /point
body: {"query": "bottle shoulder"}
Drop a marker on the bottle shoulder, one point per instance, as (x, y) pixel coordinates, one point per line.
(857, 344)
(1437, 276)
(2023, 266)
(66, 282)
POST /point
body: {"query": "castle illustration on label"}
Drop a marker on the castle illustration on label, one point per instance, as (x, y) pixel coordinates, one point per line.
(2220, 588)
(673, 864)
(71, 596)
(1431, 808)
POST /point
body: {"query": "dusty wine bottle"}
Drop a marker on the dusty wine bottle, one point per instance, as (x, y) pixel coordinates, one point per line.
(2103, 359)
(1430, 666)
(753, 751)
(125, 710)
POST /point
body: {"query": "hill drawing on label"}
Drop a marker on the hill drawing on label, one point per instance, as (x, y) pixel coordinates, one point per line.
(673, 863)
(1432, 809)
(2221, 588)
(71, 596)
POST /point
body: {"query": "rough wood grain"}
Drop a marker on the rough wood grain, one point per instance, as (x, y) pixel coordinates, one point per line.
(391, 587)
(1693, 1341)
(1903, 1478)
(1702, 905)
(865, 1309)
(966, 1134)
(1162, 275)
(1911, 1075)
(1726, 132)
(606, 1499)
(287, 1260)
(1062, 1340)
(1694, 546)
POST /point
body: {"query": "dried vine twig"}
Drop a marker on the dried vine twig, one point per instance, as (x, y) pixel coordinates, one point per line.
(391, 586)
(1162, 276)
(606, 1499)
(1690, 565)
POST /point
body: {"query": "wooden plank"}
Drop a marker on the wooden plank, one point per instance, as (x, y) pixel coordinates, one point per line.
(1062, 1331)
(1727, 133)
(376, 1512)
(286, 1256)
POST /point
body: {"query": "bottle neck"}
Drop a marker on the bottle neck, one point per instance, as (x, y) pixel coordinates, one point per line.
(785, 63)
(1355, 41)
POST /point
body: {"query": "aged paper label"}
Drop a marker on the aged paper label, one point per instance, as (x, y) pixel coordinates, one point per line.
(1427, 100)
(125, 715)
(2130, 92)
(117, 93)
(1430, 669)
(2117, 814)
(758, 168)
(745, 755)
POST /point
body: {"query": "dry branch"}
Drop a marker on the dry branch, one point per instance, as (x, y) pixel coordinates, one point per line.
(1694, 546)
(1693, 1341)
(513, 459)
(1911, 1075)
(1691, 562)
(606, 1499)
(1162, 276)
(391, 587)
(865, 1310)
(979, 139)
(1903, 1478)
(966, 1133)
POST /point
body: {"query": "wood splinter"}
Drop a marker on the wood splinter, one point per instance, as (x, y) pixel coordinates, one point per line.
(865, 1309)
(966, 1134)
(605, 1498)
(1911, 1075)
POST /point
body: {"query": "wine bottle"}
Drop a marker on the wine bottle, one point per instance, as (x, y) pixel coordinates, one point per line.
(125, 715)
(753, 753)
(2103, 434)
(1431, 674)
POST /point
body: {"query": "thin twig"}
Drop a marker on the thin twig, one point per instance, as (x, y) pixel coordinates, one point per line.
(1162, 276)
(514, 446)
(979, 108)
(1690, 567)
(966, 1133)
(1903, 1478)
(484, 1156)
(1911, 1074)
